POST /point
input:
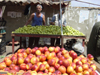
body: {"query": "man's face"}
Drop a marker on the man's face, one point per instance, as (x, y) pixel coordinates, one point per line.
(39, 9)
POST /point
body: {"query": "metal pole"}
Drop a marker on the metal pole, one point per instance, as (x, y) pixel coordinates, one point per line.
(61, 19)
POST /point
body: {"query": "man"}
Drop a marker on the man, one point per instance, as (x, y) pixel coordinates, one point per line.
(37, 19)
(56, 21)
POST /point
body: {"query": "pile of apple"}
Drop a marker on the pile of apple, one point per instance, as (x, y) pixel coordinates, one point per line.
(48, 61)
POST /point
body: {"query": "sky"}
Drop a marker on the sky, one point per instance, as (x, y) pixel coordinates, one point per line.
(75, 3)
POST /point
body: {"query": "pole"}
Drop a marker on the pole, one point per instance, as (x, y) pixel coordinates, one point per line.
(61, 19)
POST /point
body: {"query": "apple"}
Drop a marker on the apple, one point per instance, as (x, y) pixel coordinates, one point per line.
(85, 66)
(93, 66)
(21, 50)
(33, 51)
(16, 68)
(31, 56)
(60, 62)
(84, 60)
(46, 53)
(70, 52)
(14, 59)
(51, 49)
(54, 54)
(42, 67)
(66, 63)
(34, 60)
(56, 66)
(85, 72)
(24, 54)
(57, 49)
(64, 52)
(62, 58)
(26, 73)
(8, 62)
(29, 66)
(93, 73)
(35, 67)
(70, 69)
(45, 49)
(2, 65)
(51, 62)
(79, 73)
(57, 72)
(38, 52)
(11, 66)
(40, 73)
(69, 59)
(23, 66)
(79, 68)
(26, 60)
(39, 63)
(36, 48)
(75, 60)
(62, 49)
(20, 60)
(62, 69)
(66, 55)
(33, 73)
(41, 49)
(72, 74)
(42, 58)
(51, 69)
(12, 72)
(90, 57)
(19, 55)
(59, 54)
(28, 50)
(73, 65)
(79, 63)
(73, 55)
(46, 71)
(50, 56)
(47, 65)
(7, 69)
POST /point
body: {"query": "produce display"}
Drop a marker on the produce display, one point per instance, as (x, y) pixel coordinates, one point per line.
(52, 30)
(48, 61)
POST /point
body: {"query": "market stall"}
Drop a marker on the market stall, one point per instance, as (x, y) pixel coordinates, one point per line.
(47, 36)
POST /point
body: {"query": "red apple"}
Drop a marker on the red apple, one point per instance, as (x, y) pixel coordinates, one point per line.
(62, 49)
(26, 60)
(86, 72)
(40, 73)
(51, 49)
(42, 67)
(36, 48)
(24, 54)
(79, 68)
(31, 56)
(73, 55)
(66, 63)
(14, 59)
(16, 68)
(93, 73)
(42, 58)
(23, 66)
(28, 50)
(50, 56)
(90, 57)
(54, 54)
(19, 55)
(72, 74)
(33, 51)
(35, 67)
(2, 65)
(27, 73)
(45, 49)
(85, 66)
(57, 72)
(51, 69)
(7, 69)
(11, 66)
(29, 66)
(73, 65)
(21, 50)
(62, 69)
(84, 60)
(60, 62)
(47, 53)
(59, 54)
(56, 66)
(41, 49)
(51, 62)
(93, 66)
(62, 58)
(79, 63)
(20, 60)
(34, 60)
(57, 49)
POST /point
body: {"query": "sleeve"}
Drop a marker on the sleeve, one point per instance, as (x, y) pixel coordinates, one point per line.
(53, 19)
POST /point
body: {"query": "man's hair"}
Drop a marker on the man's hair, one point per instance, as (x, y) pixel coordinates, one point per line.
(63, 9)
(39, 5)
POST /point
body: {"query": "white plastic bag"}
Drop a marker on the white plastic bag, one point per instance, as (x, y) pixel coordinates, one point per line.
(78, 47)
